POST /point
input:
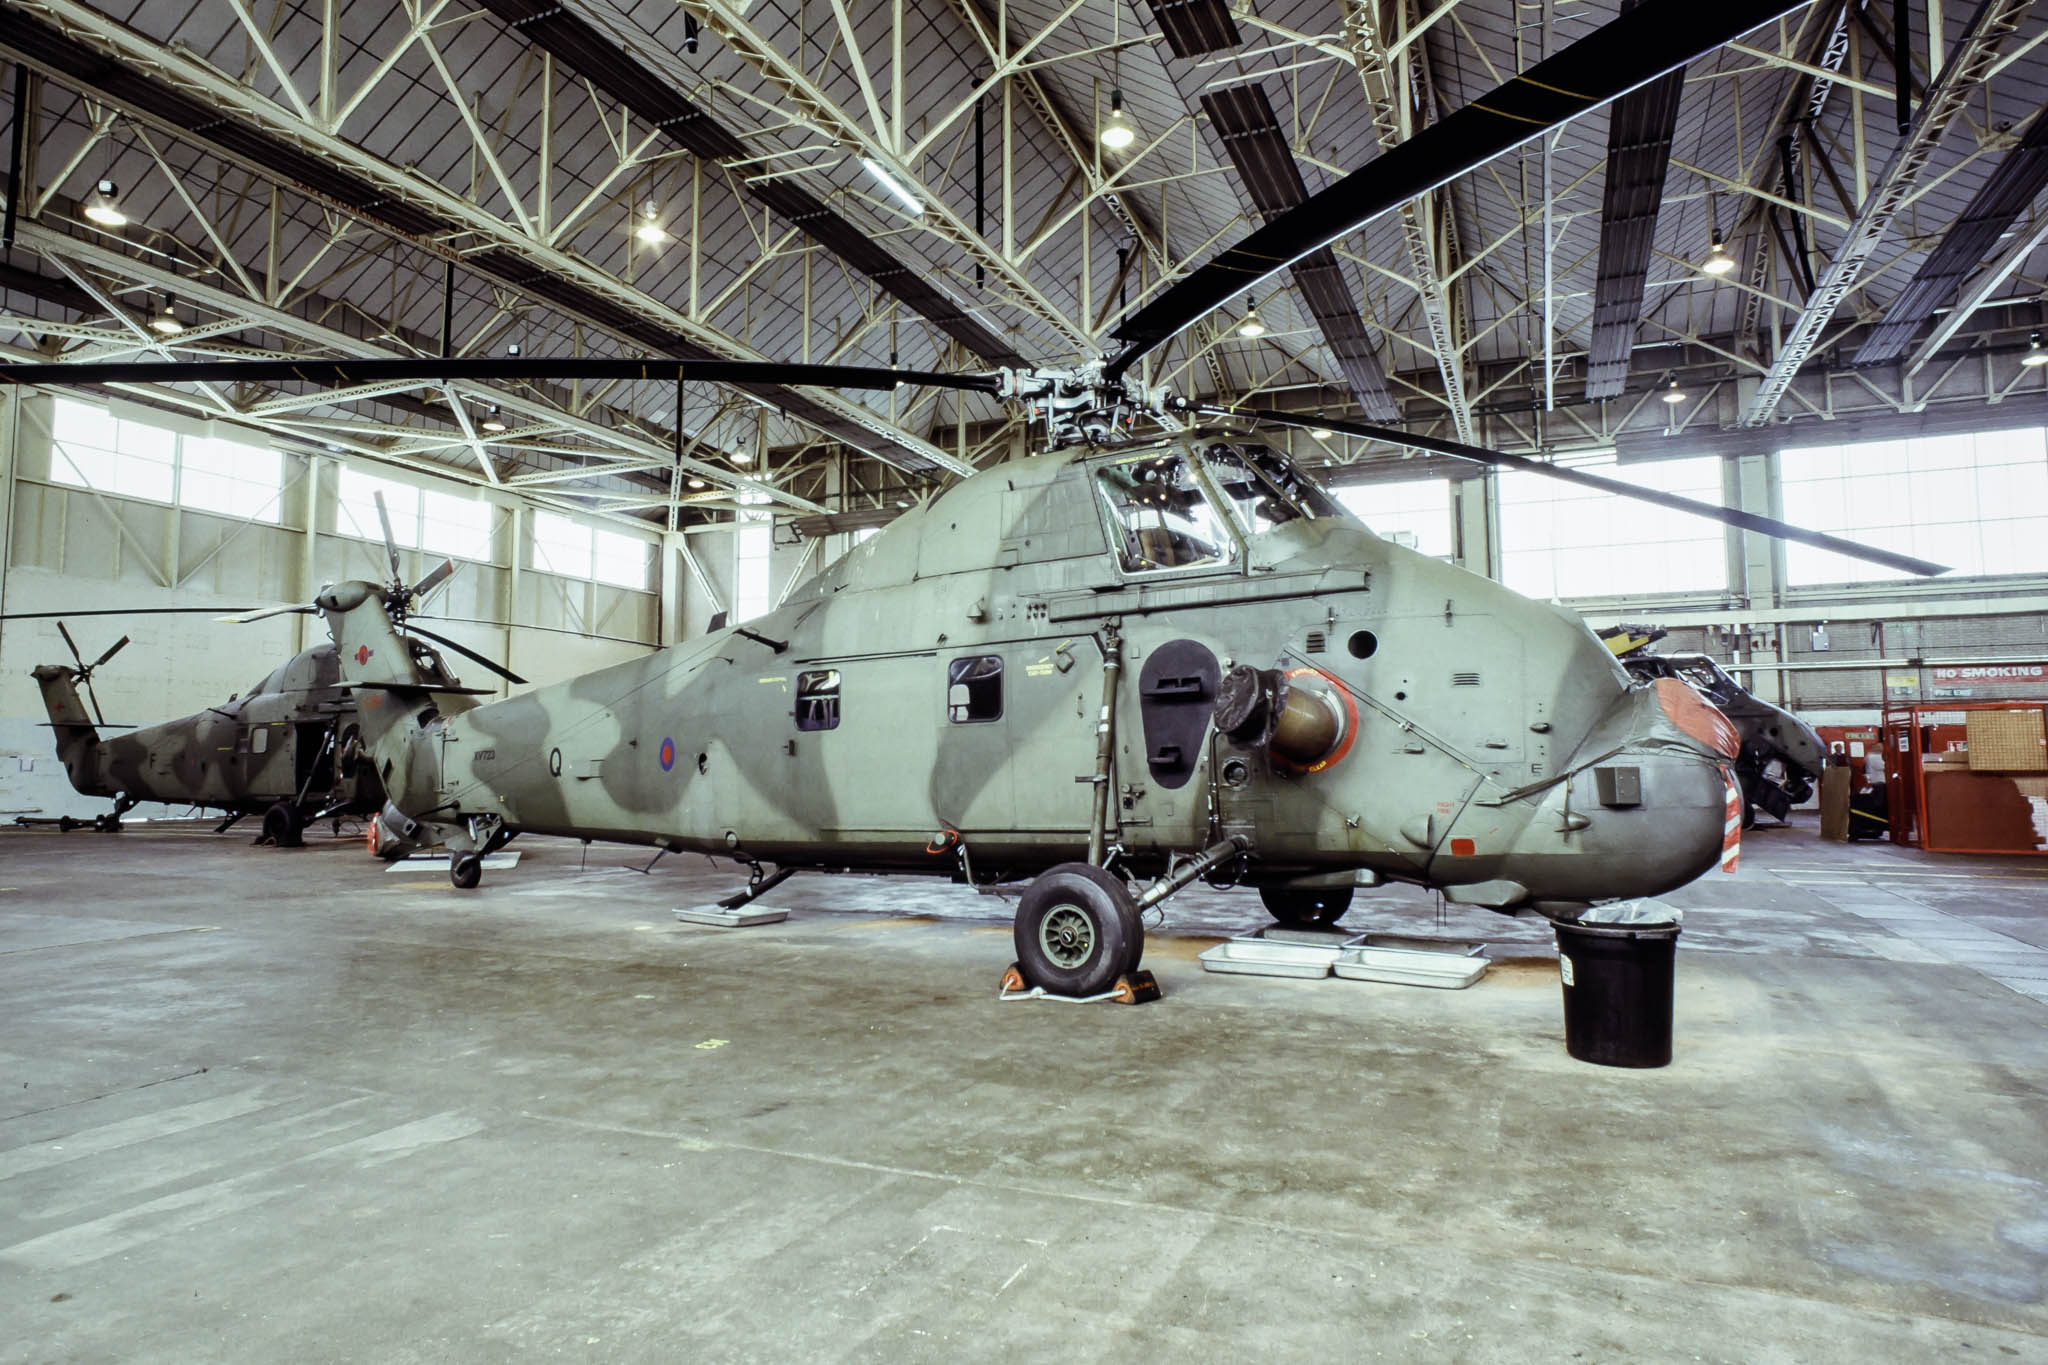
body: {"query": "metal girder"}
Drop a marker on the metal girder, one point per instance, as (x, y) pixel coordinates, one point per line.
(2005, 194)
(1989, 280)
(1242, 118)
(168, 87)
(581, 47)
(1380, 70)
(1639, 129)
(1950, 92)
(810, 105)
(278, 414)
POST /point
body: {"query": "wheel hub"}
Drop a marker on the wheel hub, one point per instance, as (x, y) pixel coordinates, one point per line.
(1067, 935)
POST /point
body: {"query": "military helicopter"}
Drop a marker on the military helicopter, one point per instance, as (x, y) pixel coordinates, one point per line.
(290, 748)
(1155, 653)
(1781, 755)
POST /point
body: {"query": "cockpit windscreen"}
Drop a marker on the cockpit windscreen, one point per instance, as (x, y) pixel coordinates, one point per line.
(1264, 489)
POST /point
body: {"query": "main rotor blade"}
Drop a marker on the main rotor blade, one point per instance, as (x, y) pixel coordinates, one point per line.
(112, 650)
(114, 611)
(1457, 450)
(247, 617)
(390, 545)
(1634, 49)
(465, 651)
(433, 580)
(486, 369)
(76, 657)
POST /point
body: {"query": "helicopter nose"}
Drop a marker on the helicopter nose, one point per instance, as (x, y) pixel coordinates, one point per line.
(1643, 811)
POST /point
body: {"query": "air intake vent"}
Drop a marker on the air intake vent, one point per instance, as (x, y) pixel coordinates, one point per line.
(1464, 680)
(1314, 643)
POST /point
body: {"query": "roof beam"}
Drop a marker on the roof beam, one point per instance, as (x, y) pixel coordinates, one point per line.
(1389, 77)
(1242, 118)
(1639, 129)
(165, 86)
(1947, 96)
(2012, 185)
(610, 68)
(810, 105)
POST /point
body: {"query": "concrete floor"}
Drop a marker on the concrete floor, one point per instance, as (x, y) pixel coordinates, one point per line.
(264, 1106)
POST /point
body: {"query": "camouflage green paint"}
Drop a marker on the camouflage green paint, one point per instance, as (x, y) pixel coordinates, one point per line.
(244, 755)
(1474, 714)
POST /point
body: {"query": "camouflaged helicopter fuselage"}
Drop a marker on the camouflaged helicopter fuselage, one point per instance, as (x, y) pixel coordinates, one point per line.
(1471, 714)
(246, 754)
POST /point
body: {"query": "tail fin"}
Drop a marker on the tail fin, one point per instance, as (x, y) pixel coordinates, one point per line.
(77, 736)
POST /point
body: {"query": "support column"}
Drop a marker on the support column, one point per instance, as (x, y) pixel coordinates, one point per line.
(309, 546)
(515, 547)
(669, 615)
(1476, 516)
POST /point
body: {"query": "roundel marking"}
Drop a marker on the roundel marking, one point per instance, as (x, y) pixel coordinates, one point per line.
(668, 754)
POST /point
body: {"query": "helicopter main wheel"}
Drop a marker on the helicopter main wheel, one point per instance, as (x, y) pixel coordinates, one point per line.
(281, 826)
(1077, 930)
(1300, 908)
(466, 871)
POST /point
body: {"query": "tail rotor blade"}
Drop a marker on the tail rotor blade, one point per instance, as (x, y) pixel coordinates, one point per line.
(433, 580)
(466, 652)
(390, 545)
(112, 650)
(87, 679)
(76, 657)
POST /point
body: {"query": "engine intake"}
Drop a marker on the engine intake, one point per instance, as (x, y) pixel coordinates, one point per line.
(1261, 708)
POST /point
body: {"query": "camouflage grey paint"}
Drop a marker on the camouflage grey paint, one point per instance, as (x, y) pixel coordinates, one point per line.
(245, 755)
(1474, 717)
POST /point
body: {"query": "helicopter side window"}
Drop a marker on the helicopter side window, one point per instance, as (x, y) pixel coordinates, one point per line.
(1163, 518)
(817, 700)
(974, 689)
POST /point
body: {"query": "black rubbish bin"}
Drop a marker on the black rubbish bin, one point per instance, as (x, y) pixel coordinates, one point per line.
(1617, 988)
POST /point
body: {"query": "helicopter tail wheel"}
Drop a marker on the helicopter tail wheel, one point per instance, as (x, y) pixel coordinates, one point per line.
(281, 826)
(1077, 930)
(1306, 908)
(466, 870)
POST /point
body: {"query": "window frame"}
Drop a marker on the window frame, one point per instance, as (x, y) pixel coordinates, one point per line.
(953, 665)
(832, 691)
(1233, 554)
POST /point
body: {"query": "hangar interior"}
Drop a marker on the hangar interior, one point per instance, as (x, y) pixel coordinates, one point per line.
(1802, 276)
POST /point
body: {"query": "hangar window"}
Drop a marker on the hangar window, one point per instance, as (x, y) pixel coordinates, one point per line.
(451, 524)
(619, 559)
(1559, 540)
(1978, 503)
(817, 700)
(753, 591)
(1163, 519)
(974, 689)
(231, 478)
(92, 448)
(355, 509)
(1411, 512)
(561, 545)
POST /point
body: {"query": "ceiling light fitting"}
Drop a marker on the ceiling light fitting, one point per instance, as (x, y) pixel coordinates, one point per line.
(650, 232)
(166, 323)
(1718, 261)
(492, 422)
(911, 204)
(1117, 131)
(104, 207)
(2035, 356)
(1251, 326)
(1674, 394)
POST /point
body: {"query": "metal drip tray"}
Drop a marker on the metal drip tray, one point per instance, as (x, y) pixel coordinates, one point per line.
(1264, 957)
(1409, 966)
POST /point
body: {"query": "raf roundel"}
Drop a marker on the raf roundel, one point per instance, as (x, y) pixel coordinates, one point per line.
(668, 754)
(363, 653)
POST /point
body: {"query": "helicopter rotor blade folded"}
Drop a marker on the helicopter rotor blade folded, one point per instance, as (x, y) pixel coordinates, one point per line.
(112, 650)
(390, 545)
(76, 657)
(1458, 450)
(114, 611)
(1637, 47)
(432, 581)
(466, 652)
(246, 617)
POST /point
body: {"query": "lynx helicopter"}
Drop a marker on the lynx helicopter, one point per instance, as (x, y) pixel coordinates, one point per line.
(1153, 654)
(289, 749)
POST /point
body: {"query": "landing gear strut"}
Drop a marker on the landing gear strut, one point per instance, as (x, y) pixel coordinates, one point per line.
(485, 836)
(1078, 930)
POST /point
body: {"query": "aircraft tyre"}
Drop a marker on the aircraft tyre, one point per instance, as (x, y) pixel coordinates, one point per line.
(1077, 930)
(281, 826)
(1306, 908)
(466, 870)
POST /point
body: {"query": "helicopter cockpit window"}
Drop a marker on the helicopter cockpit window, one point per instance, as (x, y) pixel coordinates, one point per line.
(1264, 489)
(817, 700)
(1165, 519)
(974, 689)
